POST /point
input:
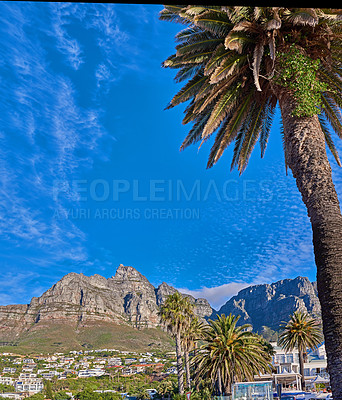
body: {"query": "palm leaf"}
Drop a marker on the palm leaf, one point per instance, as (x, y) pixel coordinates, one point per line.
(257, 56)
(332, 114)
(189, 90)
(195, 133)
(328, 139)
(267, 124)
(227, 67)
(214, 22)
(303, 16)
(221, 110)
(228, 134)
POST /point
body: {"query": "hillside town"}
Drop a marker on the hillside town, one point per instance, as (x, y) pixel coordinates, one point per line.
(23, 376)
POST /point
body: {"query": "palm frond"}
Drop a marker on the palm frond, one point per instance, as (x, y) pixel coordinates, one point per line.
(171, 13)
(220, 111)
(257, 56)
(228, 66)
(303, 16)
(328, 139)
(228, 134)
(214, 22)
(267, 124)
(333, 114)
(195, 133)
(189, 90)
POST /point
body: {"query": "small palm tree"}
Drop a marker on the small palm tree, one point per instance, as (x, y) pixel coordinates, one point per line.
(165, 388)
(230, 353)
(301, 332)
(240, 62)
(192, 333)
(176, 313)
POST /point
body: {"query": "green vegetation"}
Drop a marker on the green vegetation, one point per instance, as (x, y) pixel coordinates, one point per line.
(301, 332)
(94, 335)
(6, 388)
(299, 74)
(176, 313)
(231, 353)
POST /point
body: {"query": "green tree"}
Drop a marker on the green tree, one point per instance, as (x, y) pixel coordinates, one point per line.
(48, 389)
(301, 332)
(111, 396)
(141, 394)
(88, 394)
(166, 388)
(37, 396)
(230, 353)
(6, 388)
(190, 335)
(61, 396)
(238, 64)
(176, 313)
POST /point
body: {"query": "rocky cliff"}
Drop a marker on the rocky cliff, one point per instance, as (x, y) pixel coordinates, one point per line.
(85, 303)
(126, 298)
(270, 305)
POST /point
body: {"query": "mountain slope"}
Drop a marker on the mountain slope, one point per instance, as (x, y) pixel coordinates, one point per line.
(78, 303)
(85, 311)
(270, 305)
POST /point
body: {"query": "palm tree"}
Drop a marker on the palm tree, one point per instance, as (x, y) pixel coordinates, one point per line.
(239, 63)
(191, 334)
(165, 388)
(176, 313)
(230, 353)
(301, 332)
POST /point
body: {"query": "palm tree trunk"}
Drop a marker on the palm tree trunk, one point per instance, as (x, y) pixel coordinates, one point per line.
(306, 157)
(301, 368)
(228, 388)
(179, 363)
(219, 382)
(196, 369)
(187, 369)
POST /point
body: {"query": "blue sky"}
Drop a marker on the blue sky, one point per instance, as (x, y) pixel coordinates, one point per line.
(91, 174)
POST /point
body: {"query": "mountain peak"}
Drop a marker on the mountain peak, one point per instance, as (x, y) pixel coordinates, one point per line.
(127, 272)
(269, 304)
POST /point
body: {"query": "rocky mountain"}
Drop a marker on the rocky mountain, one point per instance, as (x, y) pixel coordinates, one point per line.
(84, 310)
(127, 298)
(270, 305)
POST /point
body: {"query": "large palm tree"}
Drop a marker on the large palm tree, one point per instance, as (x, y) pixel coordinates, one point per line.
(176, 313)
(230, 353)
(239, 63)
(302, 332)
(190, 336)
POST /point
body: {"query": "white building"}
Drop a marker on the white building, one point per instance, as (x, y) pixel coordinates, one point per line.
(29, 385)
(115, 361)
(27, 376)
(8, 370)
(86, 373)
(287, 363)
(6, 380)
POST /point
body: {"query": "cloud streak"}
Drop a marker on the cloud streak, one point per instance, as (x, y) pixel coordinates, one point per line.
(46, 135)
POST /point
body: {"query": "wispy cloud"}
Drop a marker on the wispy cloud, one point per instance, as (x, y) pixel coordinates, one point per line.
(46, 135)
(69, 46)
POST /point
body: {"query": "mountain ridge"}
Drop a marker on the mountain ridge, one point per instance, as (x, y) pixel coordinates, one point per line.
(78, 303)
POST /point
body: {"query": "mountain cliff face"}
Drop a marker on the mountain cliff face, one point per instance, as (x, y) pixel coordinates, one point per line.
(126, 298)
(270, 305)
(84, 303)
